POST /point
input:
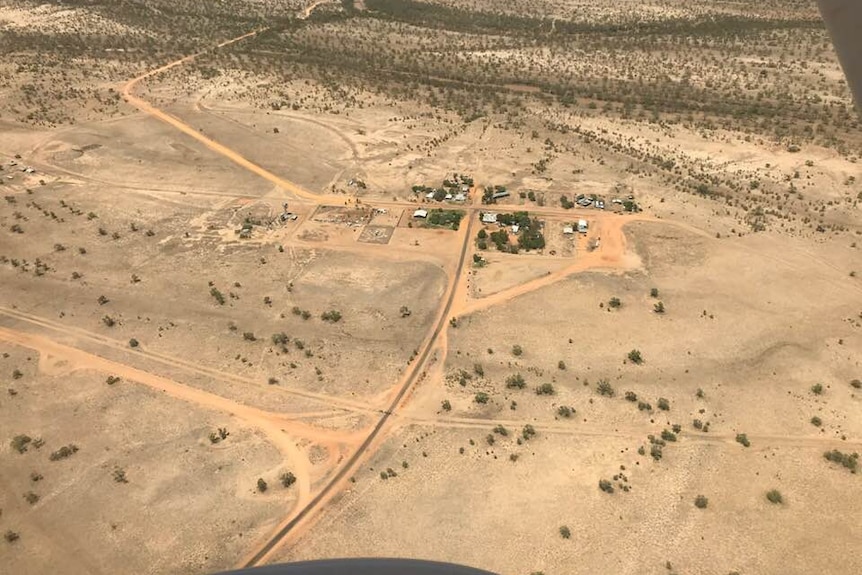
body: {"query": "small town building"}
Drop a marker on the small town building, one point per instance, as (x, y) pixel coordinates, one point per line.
(420, 213)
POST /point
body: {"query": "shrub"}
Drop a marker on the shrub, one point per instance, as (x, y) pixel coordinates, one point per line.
(561, 365)
(606, 486)
(112, 379)
(848, 460)
(655, 451)
(565, 411)
(31, 498)
(219, 297)
(644, 406)
(816, 421)
(635, 357)
(64, 452)
(565, 532)
(133, 343)
(481, 397)
(287, 479)
(545, 389)
(102, 300)
(658, 307)
(261, 485)
(743, 439)
(817, 389)
(446, 405)
(653, 292)
(701, 502)
(774, 496)
(517, 350)
(109, 321)
(500, 430)
(603, 387)
(11, 536)
(120, 475)
(668, 435)
(516, 381)
(280, 338)
(631, 396)
(614, 302)
(249, 336)
(856, 384)
(20, 443)
(490, 439)
(478, 369)
(332, 316)
(698, 424)
(663, 404)
(528, 431)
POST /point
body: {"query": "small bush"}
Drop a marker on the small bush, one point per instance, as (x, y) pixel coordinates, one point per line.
(120, 475)
(545, 389)
(500, 430)
(261, 485)
(219, 297)
(606, 486)
(332, 316)
(31, 498)
(565, 532)
(658, 307)
(109, 321)
(64, 452)
(655, 451)
(565, 411)
(287, 479)
(653, 292)
(528, 432)
(644, 406)
(635, 357)
(817, 389)
(631, 396)
(478, 369)
(663, 404)
(561, 365)
(481, 397)
(774, 496)
(249, 336)
(517, 350)
(112, 379)
(604, 387)
(11, 536)
(615, 303)
(280, 338)
(743, 439)
(446, 405)
(668, 435)
(516, 381)
(490, 439)
(816, 421)
(701, 502)
(848, 460)
(133, 343)
(20, 443)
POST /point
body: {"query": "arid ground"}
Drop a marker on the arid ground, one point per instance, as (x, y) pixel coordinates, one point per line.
(228, 338)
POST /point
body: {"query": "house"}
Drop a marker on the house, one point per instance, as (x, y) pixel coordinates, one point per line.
(460, 197)
(582, 226)
(515, 228)
(448, 196)
(420, 213)
(430, 195)
(498, 195)
(489, 218)
(568, 230)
